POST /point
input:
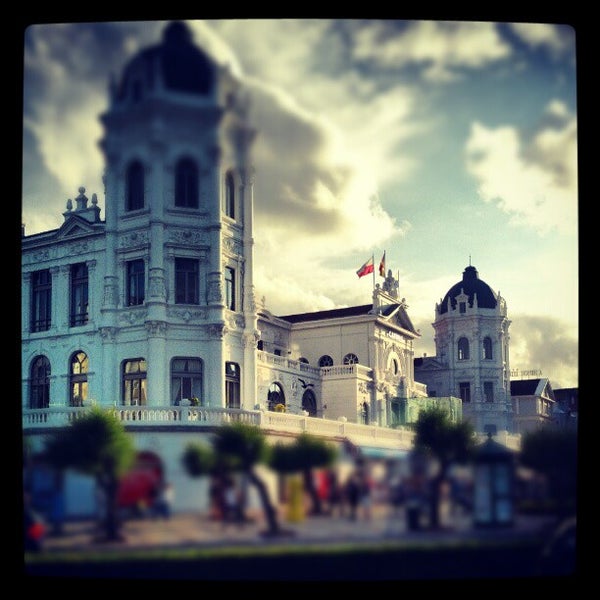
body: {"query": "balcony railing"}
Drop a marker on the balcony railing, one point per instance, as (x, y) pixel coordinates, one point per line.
(145, 416)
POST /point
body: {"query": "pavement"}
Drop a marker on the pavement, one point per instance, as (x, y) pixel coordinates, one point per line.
(197, 530)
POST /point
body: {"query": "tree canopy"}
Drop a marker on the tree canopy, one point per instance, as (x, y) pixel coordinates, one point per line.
(93, 443)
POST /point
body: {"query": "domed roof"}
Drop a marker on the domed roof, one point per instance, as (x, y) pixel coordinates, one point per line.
(470, 285)
(181, 65)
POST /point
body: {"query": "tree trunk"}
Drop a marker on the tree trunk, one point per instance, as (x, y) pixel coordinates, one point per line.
(435, 495)
(112, 522)
(273, 527)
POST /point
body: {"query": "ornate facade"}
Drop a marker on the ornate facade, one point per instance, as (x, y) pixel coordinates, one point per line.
(152, 309)
(472, 353)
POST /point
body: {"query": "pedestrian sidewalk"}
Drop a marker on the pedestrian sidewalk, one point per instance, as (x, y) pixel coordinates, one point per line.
(195, 530)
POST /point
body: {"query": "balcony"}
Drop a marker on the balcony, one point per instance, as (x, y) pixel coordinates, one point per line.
(138, 418)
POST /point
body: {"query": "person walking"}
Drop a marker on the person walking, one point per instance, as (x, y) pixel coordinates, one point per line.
(415, 498)
(365, 495)
(163, 502)
(353, 495)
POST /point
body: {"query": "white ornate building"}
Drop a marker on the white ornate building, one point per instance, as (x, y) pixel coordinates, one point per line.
(472, 353)
(152, 309)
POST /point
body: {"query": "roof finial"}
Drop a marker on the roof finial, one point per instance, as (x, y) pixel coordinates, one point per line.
(469, 260)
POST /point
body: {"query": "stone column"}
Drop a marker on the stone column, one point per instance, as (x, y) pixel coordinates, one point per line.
(158, 367)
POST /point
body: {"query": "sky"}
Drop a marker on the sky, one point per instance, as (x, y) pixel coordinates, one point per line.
(443, 144)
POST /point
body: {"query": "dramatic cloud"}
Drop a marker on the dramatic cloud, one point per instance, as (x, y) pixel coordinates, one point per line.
(544, 343)
(544, 35)
(358, 149)
(535, 181)
(439, 48)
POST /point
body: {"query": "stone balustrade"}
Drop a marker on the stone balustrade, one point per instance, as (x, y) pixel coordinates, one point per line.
(146, 416)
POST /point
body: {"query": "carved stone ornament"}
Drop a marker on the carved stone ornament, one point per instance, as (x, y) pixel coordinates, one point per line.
(232, 245)
(217, 331)
(134, 239)
(187, 315)
(133, 317)
(156, 327)
(108, 334)
(188, 237)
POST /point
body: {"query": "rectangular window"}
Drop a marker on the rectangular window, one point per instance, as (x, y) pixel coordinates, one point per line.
(465, 391)
(135, 288)
(230, 288)
(186, 380)
(488, 391)
(186, 281)
(232, 385)
(230, 196)
(41, 300)
(79, 294)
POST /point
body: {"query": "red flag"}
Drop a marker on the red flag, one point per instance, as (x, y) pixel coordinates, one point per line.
(366, 268)
(382, 265)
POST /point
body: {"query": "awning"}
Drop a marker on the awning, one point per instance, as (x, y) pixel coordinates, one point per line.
(374, 452)
(355, 449)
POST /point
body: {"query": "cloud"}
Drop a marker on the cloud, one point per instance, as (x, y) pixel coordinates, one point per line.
(545, 343)
(535, 180)
(439, 48)
(557, 39)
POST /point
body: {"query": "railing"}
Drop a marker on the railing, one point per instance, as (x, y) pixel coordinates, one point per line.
(144, 416)
(341, 370)
(141, 416)
(287, 363)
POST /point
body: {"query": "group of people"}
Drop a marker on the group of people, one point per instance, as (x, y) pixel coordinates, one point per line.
(355, 497)
(352, 498)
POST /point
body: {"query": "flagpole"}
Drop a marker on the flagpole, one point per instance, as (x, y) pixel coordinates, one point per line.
(373, 260)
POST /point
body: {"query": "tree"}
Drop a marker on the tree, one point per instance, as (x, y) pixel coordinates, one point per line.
(95, 444)
(303, 456)
(553, 454)
(448, 443)
(238, 447)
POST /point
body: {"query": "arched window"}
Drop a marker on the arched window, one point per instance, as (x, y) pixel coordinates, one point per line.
(394, 366)
(135, 186)
(186, 380)
(487, 348)
(230, 195)
(78, 379)
(463, 348)
(186, 183)
(303, 360)
(39, 391)
(276, 396)
(134, 382)
(350, 359)
(309, 403)
(326, 361)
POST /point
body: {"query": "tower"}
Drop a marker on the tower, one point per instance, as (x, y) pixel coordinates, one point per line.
(472, 353)
(178, 294)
